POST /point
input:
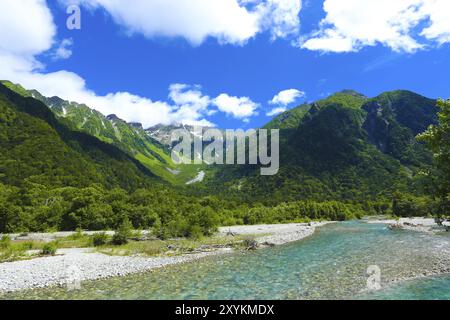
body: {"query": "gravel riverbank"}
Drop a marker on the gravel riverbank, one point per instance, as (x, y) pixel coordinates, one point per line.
(80, 263)
(89, 265)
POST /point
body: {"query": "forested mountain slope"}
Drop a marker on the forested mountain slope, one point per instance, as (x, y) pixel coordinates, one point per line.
(346, 147)
(129, 137)
(36, 147)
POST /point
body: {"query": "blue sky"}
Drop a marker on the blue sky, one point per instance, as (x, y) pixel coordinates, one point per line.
(111, 57)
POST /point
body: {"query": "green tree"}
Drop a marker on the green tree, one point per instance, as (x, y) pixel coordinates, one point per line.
(437, 139)
(122, 233)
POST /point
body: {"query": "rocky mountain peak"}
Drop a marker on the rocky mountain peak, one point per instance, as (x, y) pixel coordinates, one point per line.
(114, 118)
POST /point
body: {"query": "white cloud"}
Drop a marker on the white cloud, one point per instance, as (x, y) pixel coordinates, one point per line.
(286, 97)
(72, 87)
(26, 27)
(439, 13)
(190, 104)
(229, 21)
(281, 17)
(183, 94)
(64, 50)
(283, 99)
(330, 40)
(350, 25)
(238, 107)
(187, 106)
(276, 111)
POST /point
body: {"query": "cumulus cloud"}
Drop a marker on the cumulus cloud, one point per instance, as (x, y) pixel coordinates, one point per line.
(283, 99)
(439, 14)
(229, 21)
(238, 107)
(26, 27)
(350, 25)
(72, 87)
(276, 111)
(286, 97)
(183, 94)
(64, 50)
(281, 17)
(190, 104)
(186, 104)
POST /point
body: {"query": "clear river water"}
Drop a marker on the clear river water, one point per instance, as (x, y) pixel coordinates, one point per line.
(331, 264)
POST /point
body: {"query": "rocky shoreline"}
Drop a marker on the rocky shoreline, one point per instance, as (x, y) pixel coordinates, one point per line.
(427, 225)
(59, 270)
(90, 265)
(421, 225)
(276, 234)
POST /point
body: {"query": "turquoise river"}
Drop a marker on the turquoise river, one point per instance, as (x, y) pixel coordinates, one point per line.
(331, 264)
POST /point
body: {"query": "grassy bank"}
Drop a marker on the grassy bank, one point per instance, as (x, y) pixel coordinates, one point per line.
(135, 245)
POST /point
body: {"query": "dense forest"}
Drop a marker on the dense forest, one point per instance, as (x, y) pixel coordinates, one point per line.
(342, 158)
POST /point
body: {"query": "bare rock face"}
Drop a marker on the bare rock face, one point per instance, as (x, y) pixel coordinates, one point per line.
(377, 126)
(136, 125)
(114, 118)
(163, 133)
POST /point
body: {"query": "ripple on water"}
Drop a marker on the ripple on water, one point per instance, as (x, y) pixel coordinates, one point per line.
(331, 264)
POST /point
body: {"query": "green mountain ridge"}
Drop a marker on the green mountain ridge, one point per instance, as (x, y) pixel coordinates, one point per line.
(291, 119)
(53, 177)
(394, 120)
(38, 148)
(347, 147)
(129, 137)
